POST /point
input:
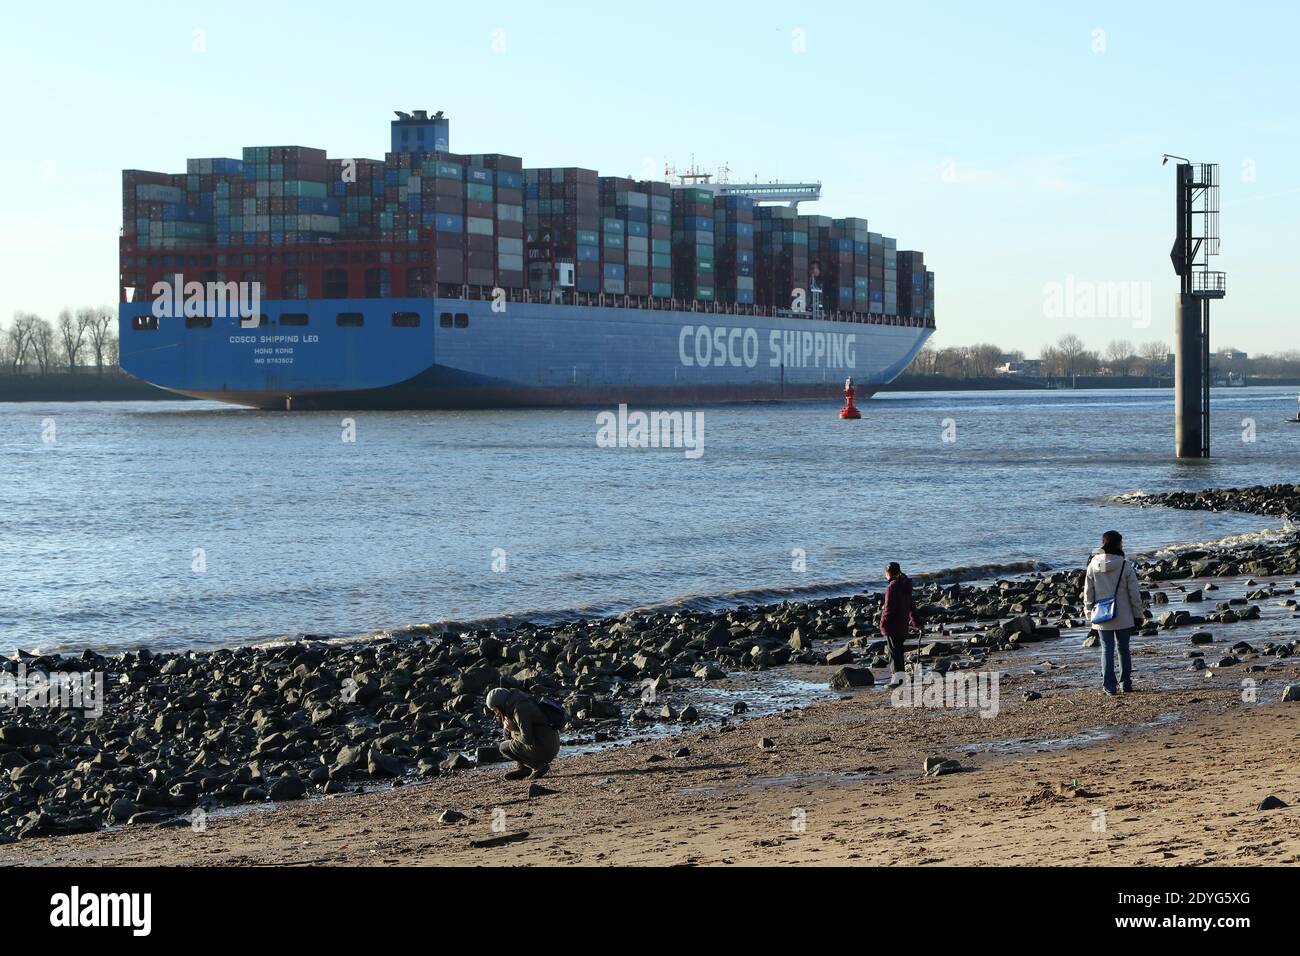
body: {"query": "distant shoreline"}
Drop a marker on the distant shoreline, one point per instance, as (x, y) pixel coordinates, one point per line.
(1004, 383)
(89, 385)
(117, 386)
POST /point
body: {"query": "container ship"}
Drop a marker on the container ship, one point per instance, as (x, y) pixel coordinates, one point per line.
(432, 279)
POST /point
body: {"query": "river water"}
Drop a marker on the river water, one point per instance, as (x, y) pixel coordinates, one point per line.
(188, 524)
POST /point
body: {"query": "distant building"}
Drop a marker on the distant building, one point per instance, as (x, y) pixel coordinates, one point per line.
(1030, 367)
(1231, 355)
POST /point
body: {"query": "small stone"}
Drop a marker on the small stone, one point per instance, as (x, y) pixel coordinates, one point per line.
(766, 743)
(537, 790)
(1271, 803)
(1032, 695)
(450, 816)
(682, 752)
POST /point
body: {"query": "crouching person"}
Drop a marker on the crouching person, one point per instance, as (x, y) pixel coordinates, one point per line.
(532, 727)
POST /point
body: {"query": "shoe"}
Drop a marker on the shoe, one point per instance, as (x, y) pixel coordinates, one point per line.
(1127, 688)
(895, 678)
(1104, 690)
(540, 772)
(519, 773)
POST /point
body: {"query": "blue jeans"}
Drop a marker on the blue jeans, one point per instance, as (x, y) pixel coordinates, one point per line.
(1108, 641)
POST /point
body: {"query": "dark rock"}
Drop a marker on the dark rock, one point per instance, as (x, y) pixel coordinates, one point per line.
(122, 810)
(843, 656)
(456, 761)
(287, 788)
(1271, 803)
(849, 677)
(939, 766)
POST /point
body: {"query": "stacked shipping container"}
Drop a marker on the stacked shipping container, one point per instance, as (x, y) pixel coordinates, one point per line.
(911, 284)
(733, 249)
(506, 174)
(781, 252)
(891, 276)
(562, 224)
(692, 244)
(484, 220)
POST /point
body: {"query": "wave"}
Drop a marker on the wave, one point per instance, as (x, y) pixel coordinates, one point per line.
(699, 603)
(1286, 532)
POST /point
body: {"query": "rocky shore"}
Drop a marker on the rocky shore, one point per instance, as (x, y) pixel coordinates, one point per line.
(180, 732)
(1274, 500)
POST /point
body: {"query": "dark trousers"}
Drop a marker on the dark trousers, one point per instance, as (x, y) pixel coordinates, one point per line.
(897, 650)
(1110, 641)
(545, 746)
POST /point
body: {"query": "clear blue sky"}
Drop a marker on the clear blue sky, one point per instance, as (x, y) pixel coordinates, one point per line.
(995, 138)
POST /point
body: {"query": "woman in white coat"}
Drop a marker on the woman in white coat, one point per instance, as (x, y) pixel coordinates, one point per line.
(1112, 599)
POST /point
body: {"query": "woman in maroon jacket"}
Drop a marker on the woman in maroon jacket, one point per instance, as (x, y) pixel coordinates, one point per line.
(897, 617)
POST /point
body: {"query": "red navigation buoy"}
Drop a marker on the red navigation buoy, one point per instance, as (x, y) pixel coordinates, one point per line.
(849, 410)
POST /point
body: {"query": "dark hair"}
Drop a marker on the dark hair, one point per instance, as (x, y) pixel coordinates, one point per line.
(1112, 542)
(892, 569)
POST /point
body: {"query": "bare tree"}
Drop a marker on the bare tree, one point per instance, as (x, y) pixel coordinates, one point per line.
(19, 341)
(1072, 351)
(72, 335)
(952, 362)
(1154, 355)
(6, 350)
(984, 360)
(99, 327)
(1047, 361)
(923, 364)
(1119, 356)
(44, 344)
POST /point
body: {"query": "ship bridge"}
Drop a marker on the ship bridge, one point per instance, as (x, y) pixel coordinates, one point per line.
(791, 193)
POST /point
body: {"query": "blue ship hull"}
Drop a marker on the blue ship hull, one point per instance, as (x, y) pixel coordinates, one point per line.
(463, 354)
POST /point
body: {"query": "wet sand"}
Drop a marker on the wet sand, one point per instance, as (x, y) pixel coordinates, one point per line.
(1171, 774)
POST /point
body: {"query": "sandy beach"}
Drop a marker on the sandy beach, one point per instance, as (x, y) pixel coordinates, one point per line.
(1172, 774)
